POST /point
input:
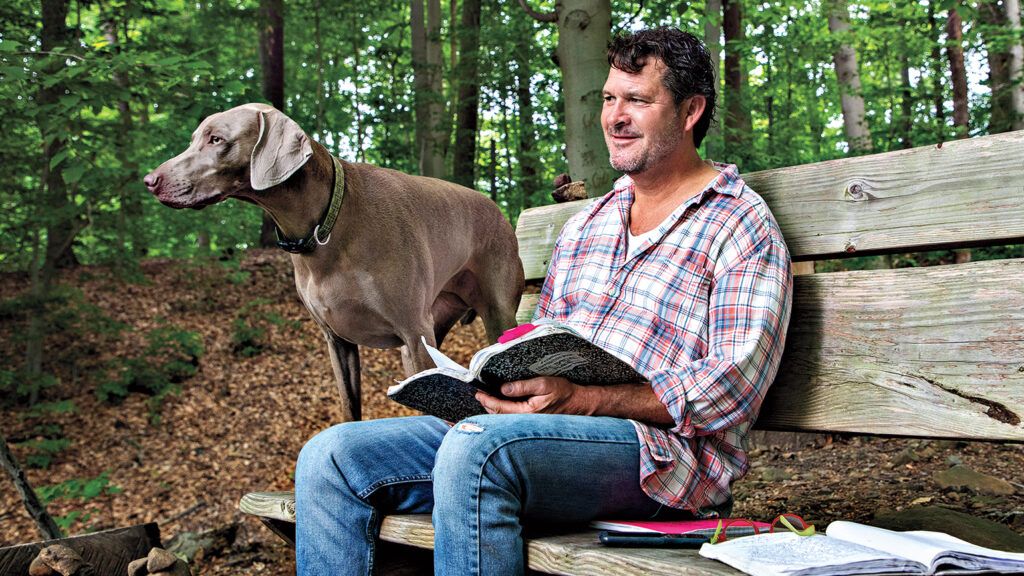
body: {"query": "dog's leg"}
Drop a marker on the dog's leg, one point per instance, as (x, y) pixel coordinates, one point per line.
(414, 355)
(345, 361)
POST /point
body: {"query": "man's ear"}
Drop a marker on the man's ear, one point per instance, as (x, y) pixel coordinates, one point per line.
(693, 108)
(281, 149)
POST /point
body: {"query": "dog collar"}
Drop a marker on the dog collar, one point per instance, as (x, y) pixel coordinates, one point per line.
(323, 229)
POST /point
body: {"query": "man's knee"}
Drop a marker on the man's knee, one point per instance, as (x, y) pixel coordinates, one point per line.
(469, 448)
(326, 453)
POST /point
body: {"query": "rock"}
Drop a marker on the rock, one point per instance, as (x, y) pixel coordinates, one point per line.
(160, 560)
(571, 191)
(771, 474)
(59, 560)
(137, 567)
(961, 476)
(964, 526)
(905, 456)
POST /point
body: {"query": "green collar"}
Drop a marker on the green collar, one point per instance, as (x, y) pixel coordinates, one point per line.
(323, 229)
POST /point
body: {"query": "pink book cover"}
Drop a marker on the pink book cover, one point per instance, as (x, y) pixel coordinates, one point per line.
(736, 526)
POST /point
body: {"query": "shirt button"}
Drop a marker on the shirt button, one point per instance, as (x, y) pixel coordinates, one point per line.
(612, 291)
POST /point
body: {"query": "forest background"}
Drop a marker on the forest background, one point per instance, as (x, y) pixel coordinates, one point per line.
(499, 96)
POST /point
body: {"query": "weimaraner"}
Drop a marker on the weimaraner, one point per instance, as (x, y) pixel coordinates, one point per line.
(407, 256)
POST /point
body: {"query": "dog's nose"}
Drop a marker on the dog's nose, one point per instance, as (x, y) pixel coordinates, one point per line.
(152, 181)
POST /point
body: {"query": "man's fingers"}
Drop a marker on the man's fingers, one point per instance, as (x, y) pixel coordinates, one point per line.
(497, 406)
(521, 388)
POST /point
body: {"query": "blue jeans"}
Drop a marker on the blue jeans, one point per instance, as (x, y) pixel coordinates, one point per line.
(482, 479)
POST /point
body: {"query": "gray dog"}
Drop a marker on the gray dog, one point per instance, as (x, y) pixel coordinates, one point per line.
(381, 258)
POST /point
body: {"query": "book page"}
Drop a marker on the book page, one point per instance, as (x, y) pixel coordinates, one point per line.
(440, 359)
(787, 554)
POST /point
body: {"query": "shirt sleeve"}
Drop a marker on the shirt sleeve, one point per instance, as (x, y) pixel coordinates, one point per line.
(748, 313)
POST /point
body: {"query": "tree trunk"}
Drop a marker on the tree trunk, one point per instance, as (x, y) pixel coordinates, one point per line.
(60, 218)
(47, 527)
(738, 124)
(464, 157)
(271, 23)
(1001, 116)
(854, 121)
(713, 40)
(958, 74)
(431, 136)
(130, 216)
(906, 102)
(1016, 65)
(584, 29)
(529, 163)
(937, 93)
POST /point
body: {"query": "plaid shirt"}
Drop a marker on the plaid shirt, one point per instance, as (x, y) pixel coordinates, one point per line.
(701, 311)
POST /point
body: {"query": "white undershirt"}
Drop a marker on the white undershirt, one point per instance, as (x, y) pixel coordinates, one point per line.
(634, 242)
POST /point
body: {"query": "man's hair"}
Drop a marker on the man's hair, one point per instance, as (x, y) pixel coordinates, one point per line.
(688, 67)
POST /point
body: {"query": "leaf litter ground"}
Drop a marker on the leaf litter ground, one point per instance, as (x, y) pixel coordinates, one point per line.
(238, 425)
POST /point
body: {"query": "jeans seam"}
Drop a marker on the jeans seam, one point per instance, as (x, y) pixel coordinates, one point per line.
(365, 492)
(502, 444)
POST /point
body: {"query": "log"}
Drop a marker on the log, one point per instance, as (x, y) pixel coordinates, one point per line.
(109, 551)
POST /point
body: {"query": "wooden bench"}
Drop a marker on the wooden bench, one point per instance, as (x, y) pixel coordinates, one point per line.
(933, 352)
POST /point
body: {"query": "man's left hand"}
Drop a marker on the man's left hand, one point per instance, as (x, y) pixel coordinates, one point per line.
(542, 395)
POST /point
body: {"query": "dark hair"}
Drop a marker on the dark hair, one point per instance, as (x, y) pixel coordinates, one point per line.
(688, 67)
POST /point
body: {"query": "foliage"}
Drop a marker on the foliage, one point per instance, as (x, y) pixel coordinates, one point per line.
(80, 490)
(251, 326)
(143, 74)
(170, 357)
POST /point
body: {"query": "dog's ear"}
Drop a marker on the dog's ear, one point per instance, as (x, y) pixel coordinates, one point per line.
(281, 149)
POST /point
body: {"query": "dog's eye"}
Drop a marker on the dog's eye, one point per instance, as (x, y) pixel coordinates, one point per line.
(216, 140)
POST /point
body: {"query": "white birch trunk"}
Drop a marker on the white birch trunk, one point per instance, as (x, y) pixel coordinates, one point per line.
(854, 121)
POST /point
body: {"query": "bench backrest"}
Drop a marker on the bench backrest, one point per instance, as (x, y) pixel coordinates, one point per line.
(931, 352)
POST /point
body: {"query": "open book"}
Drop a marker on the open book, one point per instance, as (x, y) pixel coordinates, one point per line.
(545, 348)
(852, 548)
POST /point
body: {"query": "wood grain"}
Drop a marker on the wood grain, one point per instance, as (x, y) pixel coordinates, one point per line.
(108, 551)
(929, 352)
(577, 554)
(964, 193)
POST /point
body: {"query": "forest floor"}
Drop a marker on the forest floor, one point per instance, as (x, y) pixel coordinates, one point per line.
(237, 425)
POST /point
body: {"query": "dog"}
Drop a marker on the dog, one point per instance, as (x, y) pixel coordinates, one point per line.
(381, 258)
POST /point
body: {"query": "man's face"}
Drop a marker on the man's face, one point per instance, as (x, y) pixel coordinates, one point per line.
(642, 124)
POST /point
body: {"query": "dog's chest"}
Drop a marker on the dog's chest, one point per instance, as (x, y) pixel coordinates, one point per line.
(343, 309)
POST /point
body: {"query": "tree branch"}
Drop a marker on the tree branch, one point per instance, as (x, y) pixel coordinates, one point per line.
(539, 16)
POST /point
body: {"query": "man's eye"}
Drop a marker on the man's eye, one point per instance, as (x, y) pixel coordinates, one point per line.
(216, 140)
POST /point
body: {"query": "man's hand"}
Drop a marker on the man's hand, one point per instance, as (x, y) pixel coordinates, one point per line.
(554, 395)
(542, 395)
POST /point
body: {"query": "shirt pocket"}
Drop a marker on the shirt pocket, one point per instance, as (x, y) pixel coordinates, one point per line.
(677, 291)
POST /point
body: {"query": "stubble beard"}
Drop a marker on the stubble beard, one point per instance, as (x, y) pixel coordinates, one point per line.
(658, 147)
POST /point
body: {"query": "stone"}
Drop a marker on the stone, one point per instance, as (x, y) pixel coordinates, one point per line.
(962, 477)
(138, 567)
(59, 560)
(771, 474)
(190, 545)
(964, 526)
(160, 560)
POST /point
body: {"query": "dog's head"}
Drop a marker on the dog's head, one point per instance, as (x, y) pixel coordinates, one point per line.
(248, 148)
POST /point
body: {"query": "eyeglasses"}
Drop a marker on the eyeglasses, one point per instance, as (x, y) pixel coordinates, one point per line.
(736, 527)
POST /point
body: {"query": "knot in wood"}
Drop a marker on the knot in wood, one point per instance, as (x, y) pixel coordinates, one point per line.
(857, 193)
(577, 19)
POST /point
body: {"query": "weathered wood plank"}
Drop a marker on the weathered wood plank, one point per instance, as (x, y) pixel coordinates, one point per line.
(108, 551)
(932, 352)
(274, 505)
(935, 352)
(577, 554)
(963, 193)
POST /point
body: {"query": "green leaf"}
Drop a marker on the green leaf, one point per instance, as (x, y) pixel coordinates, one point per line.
(74, 172)
(13, 72)
(58, 158)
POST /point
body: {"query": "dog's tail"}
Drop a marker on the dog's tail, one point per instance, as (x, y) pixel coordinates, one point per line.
(468, 317)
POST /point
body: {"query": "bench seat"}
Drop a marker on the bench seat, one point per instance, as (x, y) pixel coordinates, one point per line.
(576, 554)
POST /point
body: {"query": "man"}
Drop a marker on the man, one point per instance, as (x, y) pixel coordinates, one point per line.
(681, 270)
